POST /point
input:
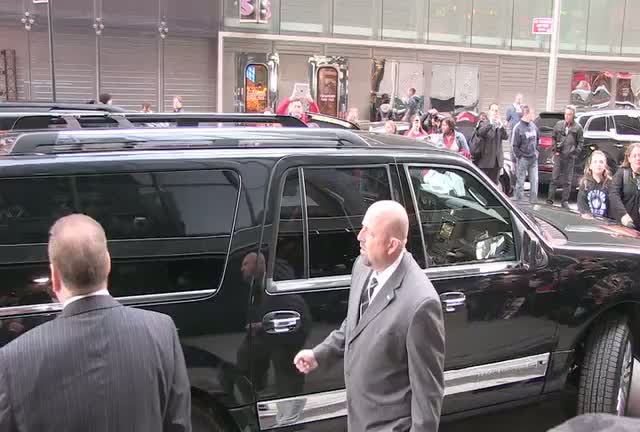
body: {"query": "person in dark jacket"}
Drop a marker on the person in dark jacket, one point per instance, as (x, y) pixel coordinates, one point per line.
(567, 144)
(524, 142)
(624, 190)
(593, 195)
(488, 154)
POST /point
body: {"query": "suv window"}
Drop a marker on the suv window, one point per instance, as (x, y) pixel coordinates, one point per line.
(462, 221)
(165, 208)
(129, 206)
(598, 124)
(336, 200)
(627, 125)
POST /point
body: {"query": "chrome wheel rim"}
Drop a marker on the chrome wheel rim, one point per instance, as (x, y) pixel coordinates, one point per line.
(625, 380)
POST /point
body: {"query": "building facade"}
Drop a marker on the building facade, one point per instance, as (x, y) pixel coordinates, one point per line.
(250, 54)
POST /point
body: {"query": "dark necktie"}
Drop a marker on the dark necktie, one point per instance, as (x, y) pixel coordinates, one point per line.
(367, 293)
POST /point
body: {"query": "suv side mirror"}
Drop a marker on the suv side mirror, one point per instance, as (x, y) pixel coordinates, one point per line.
(533, 255)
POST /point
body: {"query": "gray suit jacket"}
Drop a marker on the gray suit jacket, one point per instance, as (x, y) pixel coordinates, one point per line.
(394, 356)
(98, 367)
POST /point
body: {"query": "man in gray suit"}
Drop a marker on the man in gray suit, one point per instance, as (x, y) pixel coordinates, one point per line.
(99, 366)
(392, 339)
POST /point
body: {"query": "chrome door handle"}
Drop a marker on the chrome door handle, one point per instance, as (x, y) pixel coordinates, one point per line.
(619, 146)
(452, 300)
(281, 322)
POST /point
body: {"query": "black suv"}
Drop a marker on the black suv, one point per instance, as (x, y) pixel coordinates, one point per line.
(247, 236)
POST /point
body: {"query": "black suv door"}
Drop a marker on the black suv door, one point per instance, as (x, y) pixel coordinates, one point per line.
(496, 330)
(310, 252)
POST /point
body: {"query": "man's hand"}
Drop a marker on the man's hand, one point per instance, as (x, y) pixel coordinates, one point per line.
(305, 361)
(587, 216)
(627, 221)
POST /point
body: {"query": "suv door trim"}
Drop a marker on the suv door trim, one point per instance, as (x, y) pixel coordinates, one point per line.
(128, 300)
(434, 273)
(332, 404)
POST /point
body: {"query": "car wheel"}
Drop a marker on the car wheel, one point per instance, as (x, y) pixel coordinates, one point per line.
(205, 419)
(607, 369)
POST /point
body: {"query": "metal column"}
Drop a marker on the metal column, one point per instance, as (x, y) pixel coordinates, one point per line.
(553, 57)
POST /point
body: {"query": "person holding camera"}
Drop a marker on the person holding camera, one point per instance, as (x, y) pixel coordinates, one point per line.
(568, 141)
(624, 190)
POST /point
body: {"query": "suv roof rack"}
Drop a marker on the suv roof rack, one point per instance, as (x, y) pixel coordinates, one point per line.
(65, 141)
(97, 119)
(58, 106)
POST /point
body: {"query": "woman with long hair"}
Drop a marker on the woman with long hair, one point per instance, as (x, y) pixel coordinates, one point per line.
(416, 131)
(390, 127)
(453, 140)
(624, 189)
(593, 194)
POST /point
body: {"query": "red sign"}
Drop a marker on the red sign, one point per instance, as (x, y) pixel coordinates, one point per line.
(542, 26)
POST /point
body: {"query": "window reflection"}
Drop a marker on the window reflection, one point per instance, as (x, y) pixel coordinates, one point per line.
(492, 23)
(450, 21)
(523, 13)
(605, 26)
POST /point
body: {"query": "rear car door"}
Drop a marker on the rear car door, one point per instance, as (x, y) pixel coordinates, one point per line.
(310, 245)
(627, 130)
(498, 337)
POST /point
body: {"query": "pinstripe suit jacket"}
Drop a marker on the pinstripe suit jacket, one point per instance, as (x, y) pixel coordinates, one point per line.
(99, 366)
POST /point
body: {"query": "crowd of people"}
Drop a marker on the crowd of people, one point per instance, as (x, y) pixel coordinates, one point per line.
(601, 193)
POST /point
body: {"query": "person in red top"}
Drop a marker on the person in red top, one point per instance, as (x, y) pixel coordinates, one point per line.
(294, 107)
(454, 140)
(416, 131)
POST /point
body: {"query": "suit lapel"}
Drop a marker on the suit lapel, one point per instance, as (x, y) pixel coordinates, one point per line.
(381, 300)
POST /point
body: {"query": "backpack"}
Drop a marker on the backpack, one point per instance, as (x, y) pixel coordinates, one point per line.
(475, 145)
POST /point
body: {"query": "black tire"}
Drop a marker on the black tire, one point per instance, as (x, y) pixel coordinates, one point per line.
(607, 369)
(205, 419)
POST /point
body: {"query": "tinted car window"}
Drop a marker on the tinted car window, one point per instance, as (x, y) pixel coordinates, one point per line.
(167, 209)
(289, 262)
(598, 124)
(129, 206)
(336, 201)
(626, 125)
(462, 221)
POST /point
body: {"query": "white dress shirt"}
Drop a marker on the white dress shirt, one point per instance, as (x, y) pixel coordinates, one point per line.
(102, 292)
(383, 276)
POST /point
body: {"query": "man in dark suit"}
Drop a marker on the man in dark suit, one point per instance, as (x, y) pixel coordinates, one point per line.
(487, 152)
(392, 339)
(99, 366)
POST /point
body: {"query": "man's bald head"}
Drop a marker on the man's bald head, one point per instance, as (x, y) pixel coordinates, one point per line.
(78, 253)
(392, 217)
(383, 236)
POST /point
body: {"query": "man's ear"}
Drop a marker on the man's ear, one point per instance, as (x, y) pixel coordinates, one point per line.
(56, 282)
(108, 263)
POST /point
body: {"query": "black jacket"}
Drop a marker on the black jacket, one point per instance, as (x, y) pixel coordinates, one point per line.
(487, 151)
(624, 196)
(568, 141)
(98, 367)
(593, 198)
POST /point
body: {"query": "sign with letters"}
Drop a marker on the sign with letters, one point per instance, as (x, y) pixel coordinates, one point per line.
(542, 26)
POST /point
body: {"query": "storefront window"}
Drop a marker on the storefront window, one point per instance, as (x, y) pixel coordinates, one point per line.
(327, 91)
(401, 19)
(304, 16)
(631, 32)
(492, 23)
(233, 9)
(573, 25)
(356, 18)
(604, 34)
(256, 85)
(524, 11)
(450, 22)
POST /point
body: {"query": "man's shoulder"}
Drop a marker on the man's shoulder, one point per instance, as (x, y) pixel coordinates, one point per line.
(419, 287)
(132, 314)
